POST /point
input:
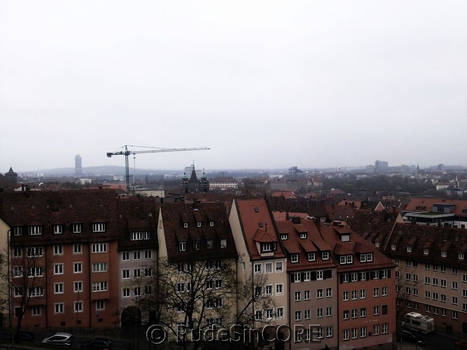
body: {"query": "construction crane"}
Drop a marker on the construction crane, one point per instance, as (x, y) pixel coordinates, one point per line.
(126, 152)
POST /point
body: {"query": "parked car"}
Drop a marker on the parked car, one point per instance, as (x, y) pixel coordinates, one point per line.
(98, 343)
(59, 339)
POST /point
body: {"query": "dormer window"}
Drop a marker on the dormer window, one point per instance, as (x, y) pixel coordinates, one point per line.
(223, 243)
(425, 251)
(98, 227)
(35, 230)
(197, 245)
(444, 253)
(266, 247)
(182, 246)
(325, 255)
(210, 243)
(140, 236)
(303, 235)
(260, 224)
(256, 210)
(345, 237)
(198, 224)
(77, 228)
(311, 256)
(461, 256)
(17, 231)
(377, 244)
(284, 236)
(393, 247)
(409, 249)
(294, 258)
(58, 229)
(185, 225)
(211, 223)
(366, 257)
(346, 259)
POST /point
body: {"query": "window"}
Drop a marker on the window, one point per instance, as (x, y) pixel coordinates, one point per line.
(36, 292)
(319, 293)
(362, 293)
(303, 235)
(269, 313)
(257, 268)
(376, 292)
(298, 296)
(125, 256)
(58, 249)
(345, 315)
(18, 292)
(17, 271)
(268, 290)
(298, 315)
(268, 267)
(319, 275)
(148, 272)
(328, 292)
(136, 255)
(384, 328)
(306, 295)
(59, 308)
(77, 228)
(258, 315)
(311, 256)
(384, 310)
(185, 225)
(354, 313)
(140, 236)
(346, 334)
(283, 236)
(223, 243)
(35, 252)
(210, 244)
(77, 286)
(58, 288)
(278, 266)
(362, 332)
(58, 229)
(354, 333)
(279, 288)
(78, 306)
(455, 315)
(100, 305)
(182, 246)
(99, 286)
(77, 248)
(294, 258)
(307, 314)
(58, 269)
(325, 255)
(98, 227)
(354, 294)
(17, 231)
(35, 230)
(36, 310)
(376, 310)
(99, 247)
(376, 329)
(363, 312)
(345, 296)
(211, 223)
(77, 267)
(197, 245)
(319, 312)
(35, 272)
(126, 292)
(328, 311)
(384, 291)
(17, 252)
(99, 267)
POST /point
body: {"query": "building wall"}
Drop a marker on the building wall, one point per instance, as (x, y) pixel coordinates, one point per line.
(369, 302)
(449, 316)
(4, 287)
(313, 304)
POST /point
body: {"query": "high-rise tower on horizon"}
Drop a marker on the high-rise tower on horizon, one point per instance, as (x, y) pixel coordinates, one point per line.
(78, 165)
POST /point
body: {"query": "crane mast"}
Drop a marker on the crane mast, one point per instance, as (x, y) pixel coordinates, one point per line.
(127, 152)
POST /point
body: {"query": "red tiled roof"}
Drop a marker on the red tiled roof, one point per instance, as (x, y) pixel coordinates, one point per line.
(426, 204)
(254, 213)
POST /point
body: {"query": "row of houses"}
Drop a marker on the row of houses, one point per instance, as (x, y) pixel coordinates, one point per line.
(84, 258)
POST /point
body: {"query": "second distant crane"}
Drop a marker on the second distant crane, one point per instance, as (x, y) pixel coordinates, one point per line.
(128, 151)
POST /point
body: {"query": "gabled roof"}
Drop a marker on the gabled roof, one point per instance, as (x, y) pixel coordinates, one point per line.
(175, 215)
(426, 204)
(254, 214)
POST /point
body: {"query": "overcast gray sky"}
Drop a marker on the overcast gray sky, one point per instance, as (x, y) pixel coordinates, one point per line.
(312, 83)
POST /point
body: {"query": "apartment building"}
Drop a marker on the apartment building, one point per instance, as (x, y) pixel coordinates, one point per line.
(431, 273)
(137, 250)
(437, 212)
(63, 251)
(196, 260)
(366, 293)
(4, 285)
(312, 291)
(261, 261)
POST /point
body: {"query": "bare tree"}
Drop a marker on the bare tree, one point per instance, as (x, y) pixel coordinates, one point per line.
(26, 284)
